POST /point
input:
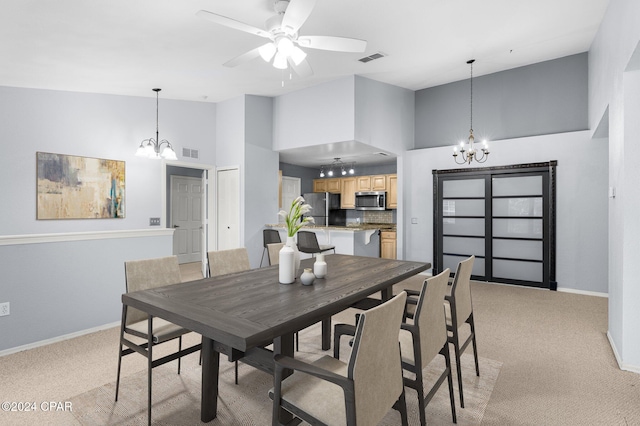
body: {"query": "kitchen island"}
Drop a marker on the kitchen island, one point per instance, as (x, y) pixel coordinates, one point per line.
(361, 240)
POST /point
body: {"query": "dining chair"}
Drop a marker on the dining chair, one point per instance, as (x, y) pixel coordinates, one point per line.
(269, 236)
(224, 262)
(144, 275)
(459, 310)
(308, 243)
(273, 251)
(424, 339)
(368, 384)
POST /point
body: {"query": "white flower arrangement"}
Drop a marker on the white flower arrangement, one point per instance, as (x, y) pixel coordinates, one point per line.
(294, 219)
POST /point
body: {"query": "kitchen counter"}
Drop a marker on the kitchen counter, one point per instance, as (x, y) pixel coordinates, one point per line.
(359, 240)
(358, 227)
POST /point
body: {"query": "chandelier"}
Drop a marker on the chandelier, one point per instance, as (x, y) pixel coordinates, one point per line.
(470, 153)
(337, 166)
(151, 147)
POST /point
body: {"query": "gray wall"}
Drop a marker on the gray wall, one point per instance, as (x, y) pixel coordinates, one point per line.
(544, 98)
(69, 285)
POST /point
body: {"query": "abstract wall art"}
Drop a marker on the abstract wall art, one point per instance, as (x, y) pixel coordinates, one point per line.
(72, 187)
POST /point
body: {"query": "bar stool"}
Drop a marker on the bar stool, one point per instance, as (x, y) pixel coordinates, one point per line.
(308, 243)
(269, 236)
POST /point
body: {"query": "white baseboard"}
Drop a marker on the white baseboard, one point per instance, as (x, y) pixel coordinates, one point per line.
(57, 339)
(621, 365)
(584, 292)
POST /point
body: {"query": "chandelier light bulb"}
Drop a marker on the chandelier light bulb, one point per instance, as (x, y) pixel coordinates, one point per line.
(285, 46)
(330, 173)
(297, 55)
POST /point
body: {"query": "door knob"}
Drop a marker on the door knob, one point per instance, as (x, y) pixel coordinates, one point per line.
(176, 226)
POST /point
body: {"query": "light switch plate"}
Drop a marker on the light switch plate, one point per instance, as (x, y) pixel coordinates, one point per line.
(4, 309)
(414, 220)
(154, 221)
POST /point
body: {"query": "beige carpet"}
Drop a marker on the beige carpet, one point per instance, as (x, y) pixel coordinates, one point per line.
(176, 398)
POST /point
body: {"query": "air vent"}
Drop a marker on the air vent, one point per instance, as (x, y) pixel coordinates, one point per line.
(190, 153)
(372, 57)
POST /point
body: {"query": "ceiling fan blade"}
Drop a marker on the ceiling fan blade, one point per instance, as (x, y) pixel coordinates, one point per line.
(232, 23)
(245, 57)
(338, 44)
(296, 14)
(303, 69)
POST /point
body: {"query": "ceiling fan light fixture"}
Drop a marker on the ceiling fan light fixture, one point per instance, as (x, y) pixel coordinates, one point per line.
(285, 45)
(267, 51)
(280, 61)
(297, 55)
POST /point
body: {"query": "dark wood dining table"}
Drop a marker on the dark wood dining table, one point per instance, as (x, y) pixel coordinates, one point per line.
(239, 314)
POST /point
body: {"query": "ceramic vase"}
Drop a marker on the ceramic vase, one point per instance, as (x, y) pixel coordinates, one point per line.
(307, 276)
(291, 242)
(286, 264)
(320, 266)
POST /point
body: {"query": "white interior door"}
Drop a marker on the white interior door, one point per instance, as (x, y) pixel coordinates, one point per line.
(290, 190)
(187, 197)
(228, 209)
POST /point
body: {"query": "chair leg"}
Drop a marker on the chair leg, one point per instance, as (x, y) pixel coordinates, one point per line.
(262, 258)
(124, 316)
(297, 343)
(456, 348)
(236, 372)
(149, 364)
(447, 361)
(401, 406)
(179, 350)
(473, 341)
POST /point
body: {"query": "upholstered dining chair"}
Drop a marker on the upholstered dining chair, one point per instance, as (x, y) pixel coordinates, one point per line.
(273, 250)
(144, 275)
(368, 385)
(424, 339)
(224, 262)
(460, 312)
(308, 243)
(269, 236)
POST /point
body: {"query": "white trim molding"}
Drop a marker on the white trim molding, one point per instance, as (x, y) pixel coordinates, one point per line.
(621, 365)
(583, 292)
(57, 339)
(12, 240)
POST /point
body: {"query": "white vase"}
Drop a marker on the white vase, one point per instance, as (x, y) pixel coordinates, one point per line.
(285, 266)
(307, 277)
(320, 266)
(291, 242)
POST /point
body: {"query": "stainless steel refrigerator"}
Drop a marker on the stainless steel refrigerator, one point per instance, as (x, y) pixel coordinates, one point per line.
(325, 208)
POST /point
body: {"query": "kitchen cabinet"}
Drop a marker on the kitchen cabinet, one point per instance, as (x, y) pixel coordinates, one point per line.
(333, 185)
(363, 183)
(319, 185)
(392, 191)
(379, 183)
(371, 183)
(348, 193)
(388, 245)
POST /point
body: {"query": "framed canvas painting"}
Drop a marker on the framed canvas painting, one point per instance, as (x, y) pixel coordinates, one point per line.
(72, 187)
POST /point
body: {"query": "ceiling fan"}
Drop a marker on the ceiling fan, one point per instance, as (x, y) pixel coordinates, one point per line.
(284, 45)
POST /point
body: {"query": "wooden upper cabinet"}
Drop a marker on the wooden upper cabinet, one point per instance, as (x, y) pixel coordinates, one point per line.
(319, 185)
(333, 185)
(379, 183)
(392, 191)
(348, 193)
(363, 183)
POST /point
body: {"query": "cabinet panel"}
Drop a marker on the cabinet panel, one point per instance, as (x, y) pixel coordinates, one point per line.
(363, 183)
(333, 185)
(319, 185)
(388, 247)
(379, 183)
(348, 193)
(392, 191)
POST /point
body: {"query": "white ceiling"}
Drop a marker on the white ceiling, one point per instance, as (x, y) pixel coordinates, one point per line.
(128, 47)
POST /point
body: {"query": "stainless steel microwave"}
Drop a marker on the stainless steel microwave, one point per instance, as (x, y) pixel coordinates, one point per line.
(372, 200)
